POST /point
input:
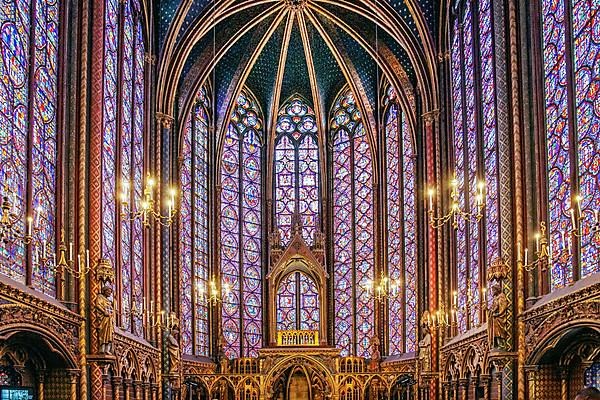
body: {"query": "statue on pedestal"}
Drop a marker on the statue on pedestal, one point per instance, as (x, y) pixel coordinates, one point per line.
(375, 355)
(425, 350)
(497, 318)
(104, 307)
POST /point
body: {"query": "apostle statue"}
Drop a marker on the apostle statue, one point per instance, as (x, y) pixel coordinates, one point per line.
(375, 355)
(425, 350)
(173, 350)
(105, 310)
(497, 321)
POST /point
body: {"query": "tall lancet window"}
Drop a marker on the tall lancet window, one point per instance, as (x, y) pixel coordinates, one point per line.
(241, 234)
(572, 43)
(401, 174)
(477, 243)
(298, 303)
(353, 228)
(193, 229)
(28, 131)
(123, 155)
(296, 171)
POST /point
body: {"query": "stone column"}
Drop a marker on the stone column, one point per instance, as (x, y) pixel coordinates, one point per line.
(485, 382)
(73, 375)
(154, 391)
(564, 384)
(41, 378)
(463, 385)
(137, 390)
(531, 378)
(116, 386)
(498, 378)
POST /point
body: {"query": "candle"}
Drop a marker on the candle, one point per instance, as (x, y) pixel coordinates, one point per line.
(537, 242)
(70, 251)
(569, 246)
(430, 199)
(455, 300)
(573, 219)
(87, 258)
(29, 224)
(526, 249)
(44, 246)
(78, 262)
(54, 260)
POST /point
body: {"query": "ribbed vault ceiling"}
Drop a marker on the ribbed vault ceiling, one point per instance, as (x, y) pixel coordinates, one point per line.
(279, 48)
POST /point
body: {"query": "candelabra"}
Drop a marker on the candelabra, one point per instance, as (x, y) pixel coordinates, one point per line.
(147, 209)
(439, 319)
(456, 211)
(213, 294)
(44, 258)
(10, 220)
(580, 225)
(383, 287)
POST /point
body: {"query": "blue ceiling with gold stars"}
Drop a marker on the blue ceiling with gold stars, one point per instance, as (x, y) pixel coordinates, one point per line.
(339, 38)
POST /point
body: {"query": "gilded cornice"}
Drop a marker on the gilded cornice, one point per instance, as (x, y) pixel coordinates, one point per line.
(28, 297)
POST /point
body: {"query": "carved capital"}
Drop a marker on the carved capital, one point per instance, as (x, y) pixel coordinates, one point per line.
(165, 121)
(150, 58)
(431, 117)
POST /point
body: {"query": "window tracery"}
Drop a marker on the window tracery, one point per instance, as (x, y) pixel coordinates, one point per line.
(241, 234)
(28, 130)
(353, 213)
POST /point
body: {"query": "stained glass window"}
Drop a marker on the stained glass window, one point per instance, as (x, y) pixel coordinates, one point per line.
(296, 170)
(353, 232)
(241, 218)
(123, 156)
(298, 303)
(401, 217)
(193, 229)
(24, 67)
(581, 40)
(475, 133)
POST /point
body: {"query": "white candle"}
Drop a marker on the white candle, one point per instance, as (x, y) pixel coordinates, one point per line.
(526, 255)
(430, 199)
(537, 243)
(78, 262)
(44, 246)
(87, 258)
(70, 251)
(573, 218)
(29, 224)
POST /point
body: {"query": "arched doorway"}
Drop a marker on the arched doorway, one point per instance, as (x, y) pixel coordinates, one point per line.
(33, 365)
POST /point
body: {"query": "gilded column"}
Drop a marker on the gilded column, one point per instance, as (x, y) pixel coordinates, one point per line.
(127, 388)
(73, 375)
(41, 378)
(564, 384)
(116, 386)
(429, 119)
(531, 372)
(463, 385)
(485, 381)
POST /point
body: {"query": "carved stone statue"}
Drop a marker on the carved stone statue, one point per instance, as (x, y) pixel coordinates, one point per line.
(173, 351)
(497, 321)
(104, 307)
(222, 359)
(375, 355)
(425, 350)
